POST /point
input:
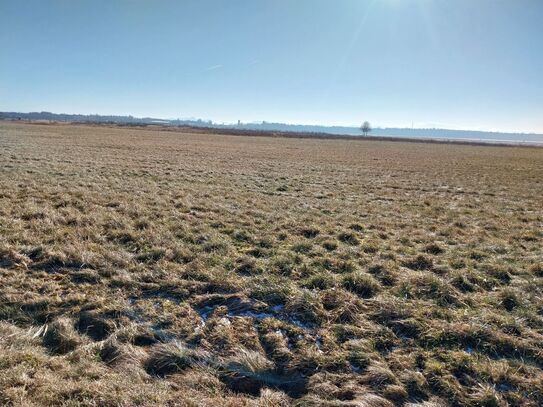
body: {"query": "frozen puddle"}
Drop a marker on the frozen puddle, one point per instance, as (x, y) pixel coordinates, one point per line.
(277, 312)
(235, 306)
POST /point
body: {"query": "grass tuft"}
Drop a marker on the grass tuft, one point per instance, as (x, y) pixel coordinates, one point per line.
(348, 238)
(170, 358)
(360, 283)
(60, 337)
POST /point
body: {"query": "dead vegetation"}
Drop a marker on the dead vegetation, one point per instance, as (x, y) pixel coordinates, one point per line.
(142, 267)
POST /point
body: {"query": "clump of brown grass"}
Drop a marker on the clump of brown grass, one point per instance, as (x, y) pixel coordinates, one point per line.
(166, 359)
(420, 262)
(247, 371)
(536, 269)
(348, 238)
(422, 285)
(60, 336)
(94, 325)
(307, 306)
(360, 283)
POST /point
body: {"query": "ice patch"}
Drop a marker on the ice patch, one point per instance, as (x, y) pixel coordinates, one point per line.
(275, 312)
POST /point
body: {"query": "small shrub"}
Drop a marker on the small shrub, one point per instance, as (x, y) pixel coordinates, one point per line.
(141, 225)
(282, 236)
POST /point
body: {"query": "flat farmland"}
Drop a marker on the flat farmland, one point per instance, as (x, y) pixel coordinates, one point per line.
(159, 267)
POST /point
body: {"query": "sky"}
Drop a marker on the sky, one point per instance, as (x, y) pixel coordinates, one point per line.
(462, 64)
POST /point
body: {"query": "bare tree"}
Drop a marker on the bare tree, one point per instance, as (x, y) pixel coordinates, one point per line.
(365, 128)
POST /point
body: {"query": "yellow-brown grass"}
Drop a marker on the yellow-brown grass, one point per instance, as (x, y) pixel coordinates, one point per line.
(151, 267)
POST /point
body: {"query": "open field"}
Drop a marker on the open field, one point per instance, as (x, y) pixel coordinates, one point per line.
(145, 267)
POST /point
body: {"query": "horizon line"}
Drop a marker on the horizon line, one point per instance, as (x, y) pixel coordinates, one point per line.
(262, 122)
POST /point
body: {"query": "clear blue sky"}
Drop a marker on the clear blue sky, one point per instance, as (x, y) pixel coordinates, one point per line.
(469, 64)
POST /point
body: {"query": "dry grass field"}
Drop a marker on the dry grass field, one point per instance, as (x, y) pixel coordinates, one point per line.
(142, 267)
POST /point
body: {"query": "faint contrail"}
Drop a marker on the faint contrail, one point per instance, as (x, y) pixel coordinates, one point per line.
(212, 68)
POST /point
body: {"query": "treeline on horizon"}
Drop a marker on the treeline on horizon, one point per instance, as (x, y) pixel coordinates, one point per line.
(266, 126)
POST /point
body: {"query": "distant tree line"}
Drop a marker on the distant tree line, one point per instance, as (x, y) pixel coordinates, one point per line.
(96, 118)
(366, 127)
